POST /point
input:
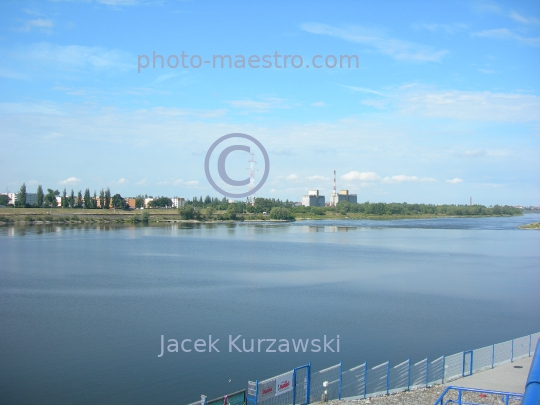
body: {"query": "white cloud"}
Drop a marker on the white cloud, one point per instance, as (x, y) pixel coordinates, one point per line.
(400, 178)
(70, 181)
(470, 105)
(318, 104)
(143, 182)
(30, 108)
(454, 180)
(317, 177)
(173, 111)
(395, 48)
(32, 183)
(39, 23)
(181, 182)
(121, 181)
(446, 28)
(291, 177)
(505, 33)
(66, 57)
(12, 74)
(264, 105)
(362, 89)
(361, 176)
(524, 20)
(482, 152)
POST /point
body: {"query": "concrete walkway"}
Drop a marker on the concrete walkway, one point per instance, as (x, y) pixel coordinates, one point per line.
(506, 378)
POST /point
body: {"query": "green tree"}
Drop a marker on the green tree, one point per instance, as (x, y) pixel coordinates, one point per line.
(87, 203)
(65, 200)
(118, 201)
(4, 199)
(188, 212)
(281, 213)
(50, 197)
(39, 196)
(145, 217)
(21, 196)
(79, 200)
(161, 202)
(72, 199)
(139, 201)
(107, 199)
(101, 198)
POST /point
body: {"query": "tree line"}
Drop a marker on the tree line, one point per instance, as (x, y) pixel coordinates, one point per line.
(81, 200)
(199, 208)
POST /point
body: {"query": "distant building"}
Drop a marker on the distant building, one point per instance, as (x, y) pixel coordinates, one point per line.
(146, 201)
(178, 202)
(31, 198)
(130, 202)
(345, 196)
(313, 199)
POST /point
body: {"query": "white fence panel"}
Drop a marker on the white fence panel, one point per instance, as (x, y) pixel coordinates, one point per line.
(419, 374)
(453, 367)
(503, 353)
(354, 382)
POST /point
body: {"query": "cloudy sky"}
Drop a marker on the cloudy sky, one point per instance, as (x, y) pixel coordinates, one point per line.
(444, 103)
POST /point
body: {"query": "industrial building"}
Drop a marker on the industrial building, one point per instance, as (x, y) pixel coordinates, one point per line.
(313, 199)
(343, 195)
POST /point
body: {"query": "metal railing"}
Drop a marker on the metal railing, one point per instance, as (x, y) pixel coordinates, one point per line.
(364, 382)
(532, 386)
(506, 398)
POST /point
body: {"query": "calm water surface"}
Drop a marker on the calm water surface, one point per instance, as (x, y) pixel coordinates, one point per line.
(82, 309)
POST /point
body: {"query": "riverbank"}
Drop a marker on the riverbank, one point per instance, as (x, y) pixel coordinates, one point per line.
(38, 216)
(534, 225)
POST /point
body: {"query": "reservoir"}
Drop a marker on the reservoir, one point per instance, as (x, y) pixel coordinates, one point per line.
(83, 308)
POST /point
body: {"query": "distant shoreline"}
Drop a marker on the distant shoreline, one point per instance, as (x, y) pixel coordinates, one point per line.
(44, 216)
(534, 225)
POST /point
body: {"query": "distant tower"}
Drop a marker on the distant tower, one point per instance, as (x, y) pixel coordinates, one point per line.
(333, 195)
(470, 201)
(251, 199)
(252, 173)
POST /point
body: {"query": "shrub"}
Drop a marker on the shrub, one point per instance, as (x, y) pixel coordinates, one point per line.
(145, 217)
(281, 213)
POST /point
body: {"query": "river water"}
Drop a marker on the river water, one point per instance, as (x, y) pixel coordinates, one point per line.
(83, 309)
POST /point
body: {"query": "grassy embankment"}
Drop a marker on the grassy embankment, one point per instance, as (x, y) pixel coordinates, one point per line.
(71, 215)
(534, 225)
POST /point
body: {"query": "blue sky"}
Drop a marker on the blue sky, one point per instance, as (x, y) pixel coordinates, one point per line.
(444, 103)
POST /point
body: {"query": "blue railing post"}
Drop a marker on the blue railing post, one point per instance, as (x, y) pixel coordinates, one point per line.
(530, 342)
(409, 375)
(427, 371)
(340, 380)
(203, 399)
(365, 379)
(308, 383)
(256, 391)
(388, 377)
(294, 386)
